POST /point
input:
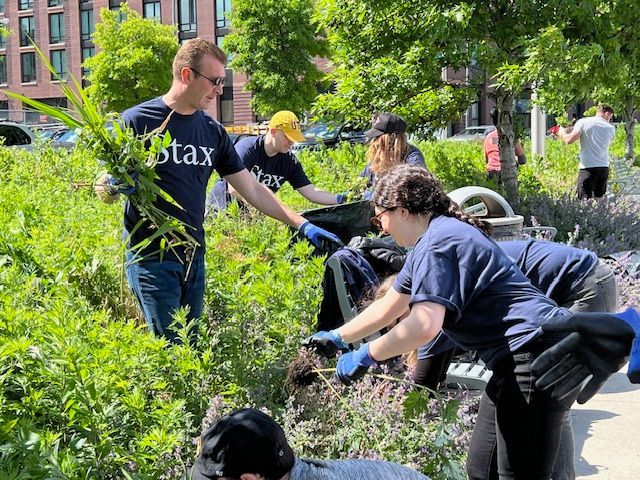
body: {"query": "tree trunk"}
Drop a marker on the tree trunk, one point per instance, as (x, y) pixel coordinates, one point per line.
(506, 142)
(629, 128)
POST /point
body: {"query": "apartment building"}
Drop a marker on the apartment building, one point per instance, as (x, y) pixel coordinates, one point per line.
(62, 30)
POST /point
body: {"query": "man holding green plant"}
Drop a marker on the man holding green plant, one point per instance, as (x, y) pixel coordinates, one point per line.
(166, 277)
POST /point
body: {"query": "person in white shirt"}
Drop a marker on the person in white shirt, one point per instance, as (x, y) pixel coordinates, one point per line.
(595, 134)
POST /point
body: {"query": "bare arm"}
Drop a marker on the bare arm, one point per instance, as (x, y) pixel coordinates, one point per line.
(315, 195)
(571, 137)
(261, 197)
(379, 314)
(519, 150)
(422, 325)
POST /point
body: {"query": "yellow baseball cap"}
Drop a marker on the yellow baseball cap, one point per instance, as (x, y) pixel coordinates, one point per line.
(287, 122)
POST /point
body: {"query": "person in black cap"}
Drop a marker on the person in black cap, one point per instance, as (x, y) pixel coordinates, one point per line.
(388, 147)
(249, 445)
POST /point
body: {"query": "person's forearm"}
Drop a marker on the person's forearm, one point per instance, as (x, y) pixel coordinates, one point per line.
(379, 314)
(406, 336)
(270, 205)
(316, 195)
(262, 198)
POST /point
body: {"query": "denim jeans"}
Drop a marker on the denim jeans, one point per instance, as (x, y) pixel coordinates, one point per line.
(518, 427)
(162, 287)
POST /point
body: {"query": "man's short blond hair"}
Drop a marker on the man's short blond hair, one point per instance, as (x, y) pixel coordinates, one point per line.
(191, 52)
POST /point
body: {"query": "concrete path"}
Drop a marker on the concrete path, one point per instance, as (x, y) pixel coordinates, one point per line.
(607, 432)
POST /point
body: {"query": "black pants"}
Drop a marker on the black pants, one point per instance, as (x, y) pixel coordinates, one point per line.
(592, 182)
(526, 422)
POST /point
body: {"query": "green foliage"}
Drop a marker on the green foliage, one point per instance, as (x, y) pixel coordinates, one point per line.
(274, 43)
(134, 58)
(87, 392)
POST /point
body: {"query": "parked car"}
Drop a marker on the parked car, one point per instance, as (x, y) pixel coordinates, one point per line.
(329, 135)
(474, 133)
(65, 139)
(235, 137)
(16, 135)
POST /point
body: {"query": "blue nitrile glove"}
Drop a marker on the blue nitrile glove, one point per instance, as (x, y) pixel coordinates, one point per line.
(118, 185)
(353, 365)
(596, 345)
(327, 344)
(319, 236)
(631, 316)
(341, 198)
(367, 195)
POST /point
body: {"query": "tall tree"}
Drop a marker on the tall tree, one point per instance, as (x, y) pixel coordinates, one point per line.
(414, 39)
(275, 42)
(133, 63)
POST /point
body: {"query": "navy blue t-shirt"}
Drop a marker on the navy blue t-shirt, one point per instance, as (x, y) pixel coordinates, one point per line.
(554, 268)
(271, 171)
(413, 157)
(199, 144)
(490, 305)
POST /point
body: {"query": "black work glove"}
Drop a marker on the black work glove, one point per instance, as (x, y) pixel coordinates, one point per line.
(326, 343)
(597, 345)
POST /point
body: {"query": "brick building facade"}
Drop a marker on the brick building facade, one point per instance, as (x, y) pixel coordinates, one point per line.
(62, 30)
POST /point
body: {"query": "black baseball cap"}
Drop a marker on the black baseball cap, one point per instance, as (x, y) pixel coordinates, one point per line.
(245, 441)
(387, 123)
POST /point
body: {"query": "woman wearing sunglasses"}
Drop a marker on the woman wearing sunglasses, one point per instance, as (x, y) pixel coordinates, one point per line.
(457, 279)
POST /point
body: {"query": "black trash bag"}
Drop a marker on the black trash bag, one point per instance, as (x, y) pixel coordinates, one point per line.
(346, 221)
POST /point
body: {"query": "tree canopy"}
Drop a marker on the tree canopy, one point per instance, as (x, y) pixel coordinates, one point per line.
(274, 43)
(133, 63)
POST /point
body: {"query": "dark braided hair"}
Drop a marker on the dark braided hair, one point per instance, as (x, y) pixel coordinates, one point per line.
(420, 192)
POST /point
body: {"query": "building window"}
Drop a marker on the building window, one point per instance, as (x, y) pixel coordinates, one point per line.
(226, 99)
(1, 6)
(59, 63)
(56, 28)
(114, 4)
(28, 62)
(3, 69)
(3, 41)
(55, 3)
(25, 4)
(187, 16)
(152, 10)
(87, 52)
(87, 26)
(27, 31)
(223, 9)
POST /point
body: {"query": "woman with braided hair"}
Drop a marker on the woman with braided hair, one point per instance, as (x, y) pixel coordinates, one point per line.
(458, 280)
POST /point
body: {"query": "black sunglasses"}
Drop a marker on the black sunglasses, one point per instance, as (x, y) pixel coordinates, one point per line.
(375, 220)
(216, 82)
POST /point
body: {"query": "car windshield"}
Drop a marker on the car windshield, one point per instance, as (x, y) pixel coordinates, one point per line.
(474, 131)
(321, 130)
(68, 136)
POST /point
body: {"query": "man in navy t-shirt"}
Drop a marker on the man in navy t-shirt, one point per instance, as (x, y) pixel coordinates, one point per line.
(269, 158)
(164, 280)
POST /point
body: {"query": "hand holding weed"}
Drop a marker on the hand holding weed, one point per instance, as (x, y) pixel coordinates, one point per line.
(327, 344)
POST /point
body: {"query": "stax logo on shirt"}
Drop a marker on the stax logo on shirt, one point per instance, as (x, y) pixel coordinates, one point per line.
(188, 154)
(270, 180)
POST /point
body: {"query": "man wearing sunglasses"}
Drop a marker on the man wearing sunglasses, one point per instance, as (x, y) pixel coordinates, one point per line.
(165, 281)
(269, 158)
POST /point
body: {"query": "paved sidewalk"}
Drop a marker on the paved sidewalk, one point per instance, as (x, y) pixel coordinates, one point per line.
(607, 432)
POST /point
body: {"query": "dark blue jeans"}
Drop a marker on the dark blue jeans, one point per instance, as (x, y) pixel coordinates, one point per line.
(162, 287)
(517, 421)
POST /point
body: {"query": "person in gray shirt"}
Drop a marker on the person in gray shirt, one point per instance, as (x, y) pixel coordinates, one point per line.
(247, 444)
(595, 134)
